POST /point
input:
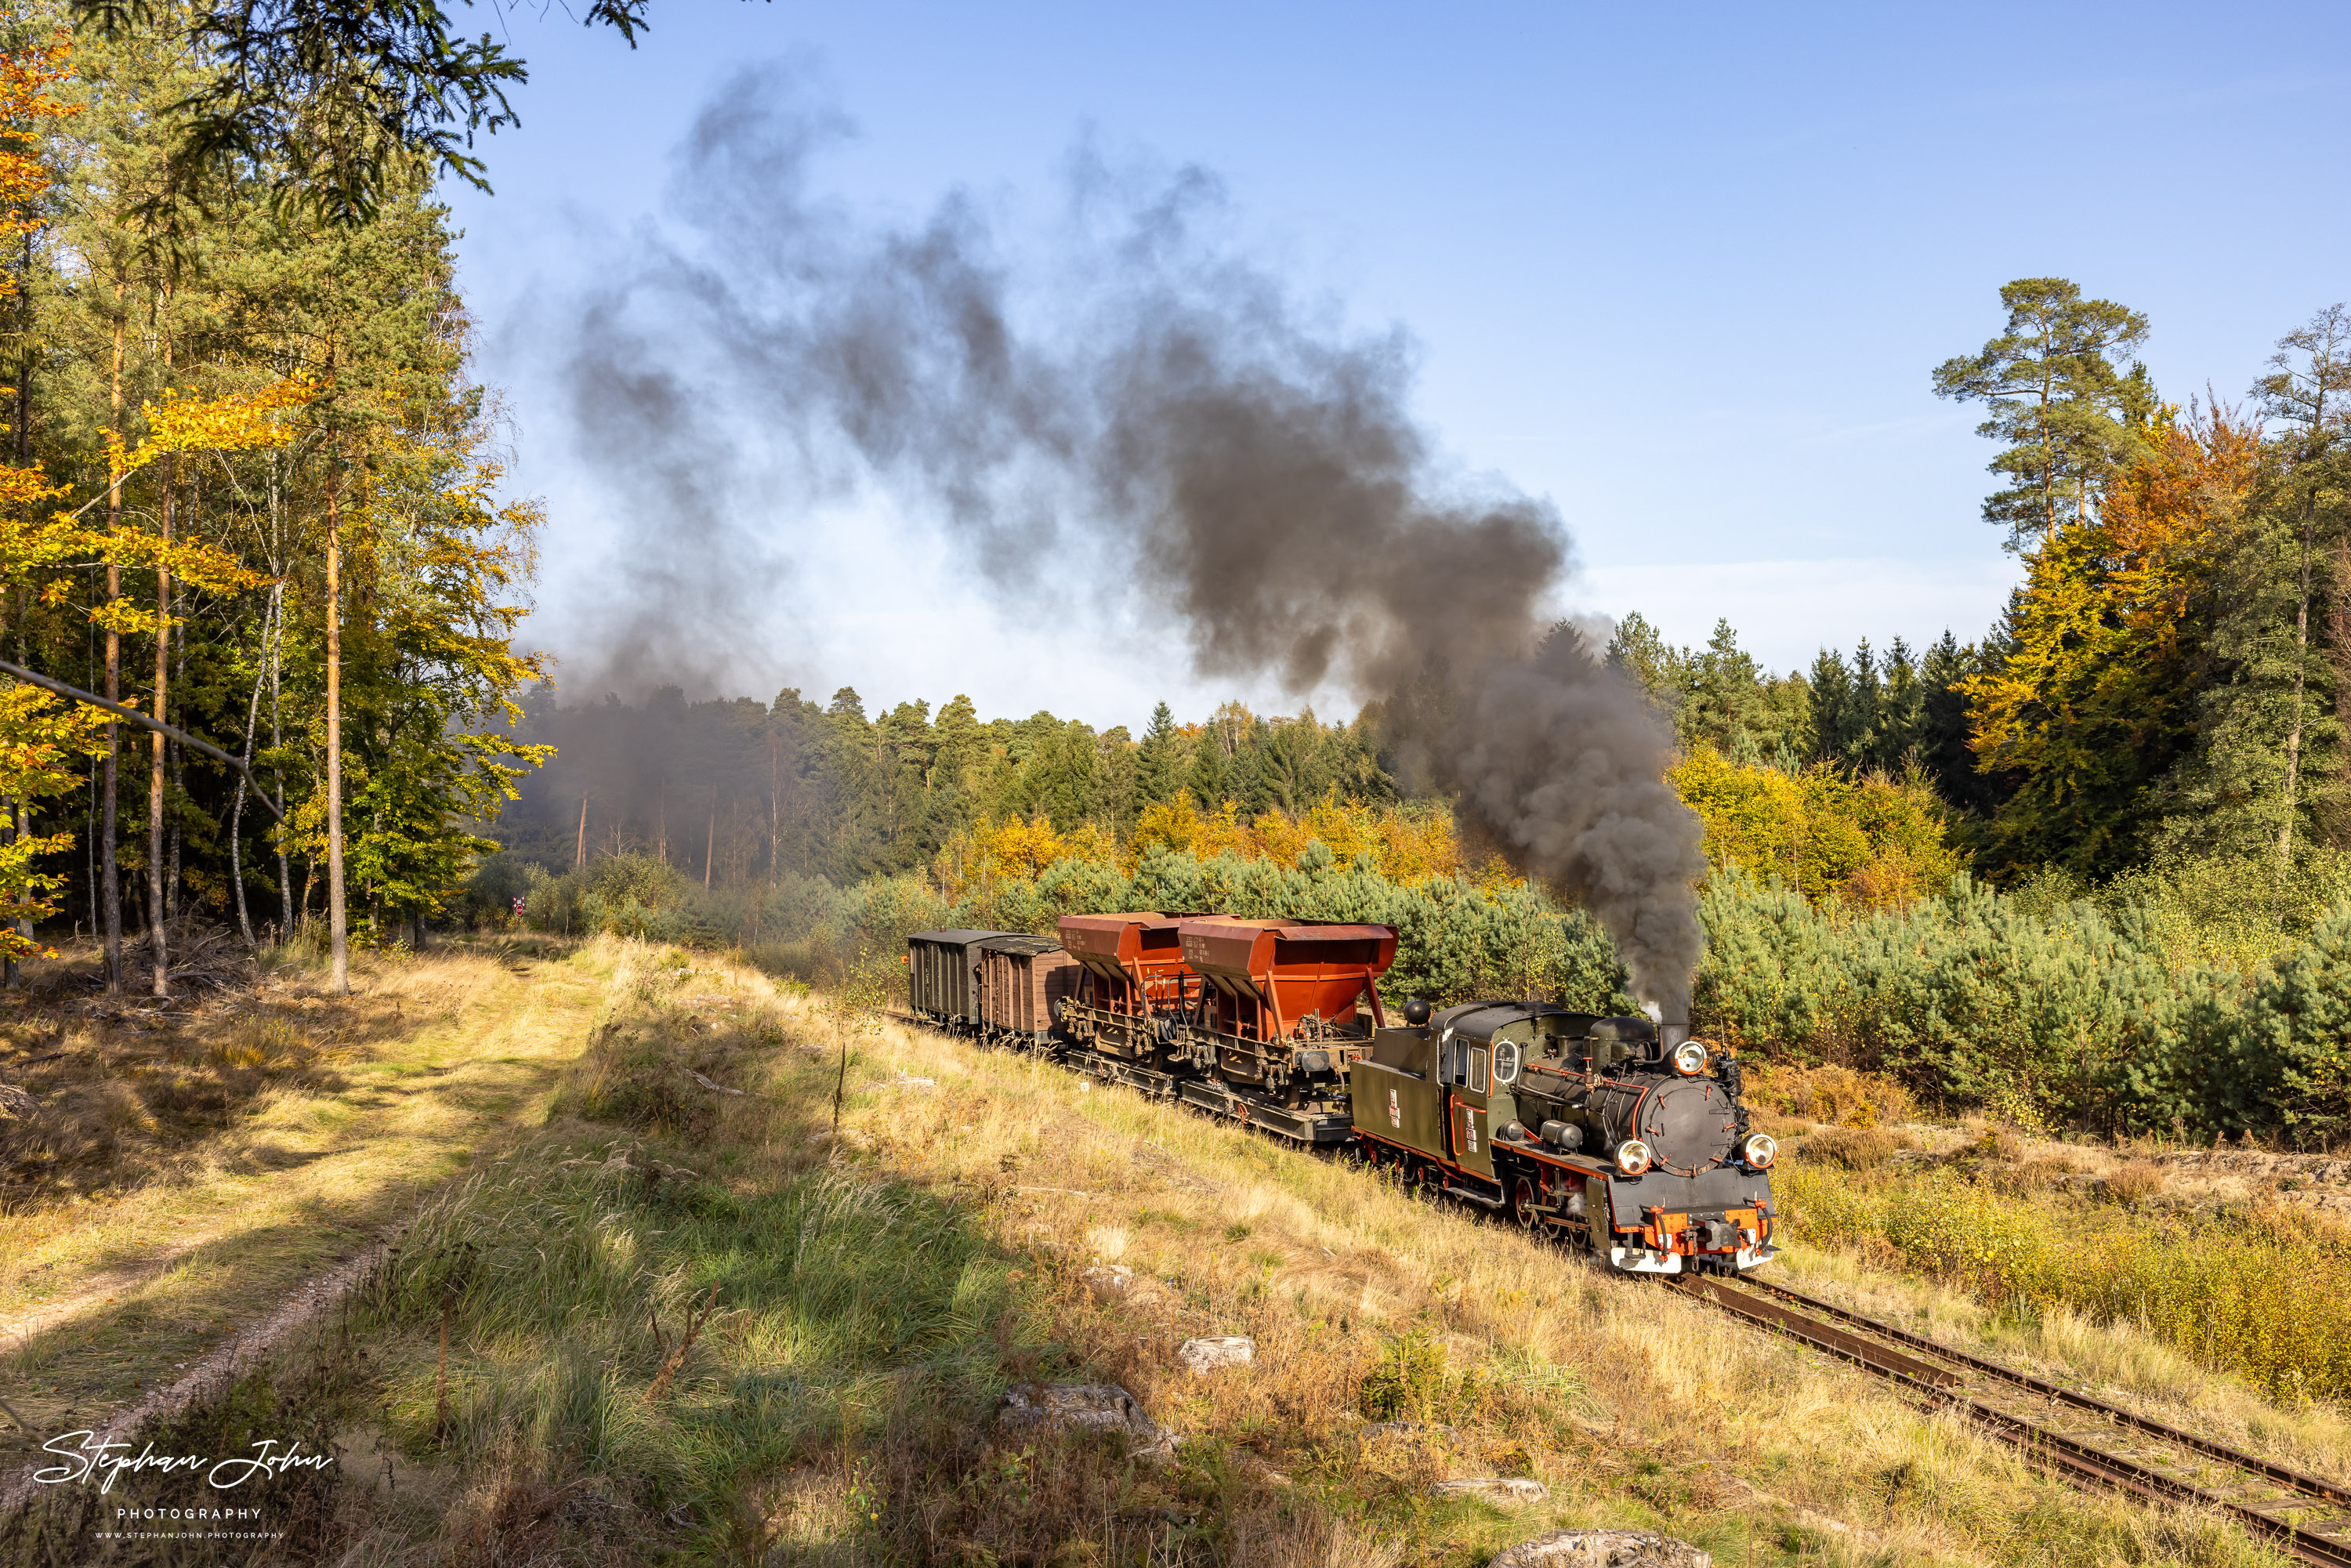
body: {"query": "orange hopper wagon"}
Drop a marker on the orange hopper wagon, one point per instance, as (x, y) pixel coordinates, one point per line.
(1284, 1006)
(1132, 985)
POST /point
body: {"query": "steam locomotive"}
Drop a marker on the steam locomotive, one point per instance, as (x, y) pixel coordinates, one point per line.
(1614, 1135)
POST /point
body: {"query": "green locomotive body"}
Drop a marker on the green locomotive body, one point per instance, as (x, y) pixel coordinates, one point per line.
(1604, 1130)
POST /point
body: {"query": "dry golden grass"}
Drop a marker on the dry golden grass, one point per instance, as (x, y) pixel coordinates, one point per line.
(1671, 1416)
(108, 1286)
(876, 1287)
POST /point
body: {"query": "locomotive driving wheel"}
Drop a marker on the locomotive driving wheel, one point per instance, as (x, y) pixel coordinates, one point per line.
(1522, 1204)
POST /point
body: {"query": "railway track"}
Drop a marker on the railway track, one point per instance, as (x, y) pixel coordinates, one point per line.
(2085, 1440)
(2082, 1440)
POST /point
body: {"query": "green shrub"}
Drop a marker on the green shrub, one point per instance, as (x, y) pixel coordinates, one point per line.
(1414, 1380)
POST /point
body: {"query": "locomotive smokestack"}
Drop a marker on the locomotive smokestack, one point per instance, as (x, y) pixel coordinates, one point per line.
(1245, 464)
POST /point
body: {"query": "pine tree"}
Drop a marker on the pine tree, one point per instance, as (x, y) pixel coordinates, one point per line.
(1637, 649)
(2309, 390)
(1941, 733)
(1156, 765)
(1900, 710)
(2058, 400)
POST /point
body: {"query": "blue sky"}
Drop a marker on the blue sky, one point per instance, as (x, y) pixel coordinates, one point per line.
(1683, 271)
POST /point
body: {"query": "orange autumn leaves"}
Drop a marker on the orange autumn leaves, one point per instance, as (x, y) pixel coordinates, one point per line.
(1405, 845)
(2087, 705)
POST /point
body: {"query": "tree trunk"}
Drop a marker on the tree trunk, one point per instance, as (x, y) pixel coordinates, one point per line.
(2301, 662)
(237, 811)
(110, 874)
(338, 920)
(276, 743)
(174, 888)
(156, 907)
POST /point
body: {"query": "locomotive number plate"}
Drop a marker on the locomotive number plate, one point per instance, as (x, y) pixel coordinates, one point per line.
(1396, 1111)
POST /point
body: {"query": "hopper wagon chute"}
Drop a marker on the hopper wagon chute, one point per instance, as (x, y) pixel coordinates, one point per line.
(1281, 1009)
(1133, 982)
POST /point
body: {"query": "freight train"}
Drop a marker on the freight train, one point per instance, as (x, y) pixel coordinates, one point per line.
(1617, 1135)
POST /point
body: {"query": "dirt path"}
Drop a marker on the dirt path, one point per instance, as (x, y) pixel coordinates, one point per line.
(111, 1306)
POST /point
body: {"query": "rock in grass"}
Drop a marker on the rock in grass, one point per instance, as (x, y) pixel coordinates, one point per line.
(1510, 1491)
(1109, 1281)
(1603, 1549)
(1201, 1355)
(1089, 1407)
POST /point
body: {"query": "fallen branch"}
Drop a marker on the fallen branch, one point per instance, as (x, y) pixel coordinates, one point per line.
(673, 1359)
(171, 732)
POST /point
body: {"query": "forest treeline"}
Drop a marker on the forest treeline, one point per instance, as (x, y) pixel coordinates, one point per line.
(2170, 680)
(2088, 869)
(249, 491)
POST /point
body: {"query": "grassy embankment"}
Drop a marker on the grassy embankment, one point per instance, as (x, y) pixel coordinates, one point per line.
(187, 1167)
(2048, 1236)
(692, 1325)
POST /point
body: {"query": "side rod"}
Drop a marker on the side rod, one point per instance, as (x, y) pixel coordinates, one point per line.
(144, 722)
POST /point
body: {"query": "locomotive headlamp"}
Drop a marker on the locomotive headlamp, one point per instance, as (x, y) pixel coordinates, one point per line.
(1633, 1157)
(1690, 1058)
(1761, 1150)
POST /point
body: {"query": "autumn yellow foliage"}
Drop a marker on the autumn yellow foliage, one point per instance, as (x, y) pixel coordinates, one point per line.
(1405, 845)
(2094, 699)
(1014, 848)
(1873, 841)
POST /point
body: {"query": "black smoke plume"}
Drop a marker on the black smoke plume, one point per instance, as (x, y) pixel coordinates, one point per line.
(1152, 411)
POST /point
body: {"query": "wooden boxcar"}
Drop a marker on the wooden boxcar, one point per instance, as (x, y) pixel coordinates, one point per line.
(1022, 982)
(943, 976)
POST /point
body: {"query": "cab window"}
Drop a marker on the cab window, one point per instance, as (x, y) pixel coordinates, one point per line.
(1477, 1071)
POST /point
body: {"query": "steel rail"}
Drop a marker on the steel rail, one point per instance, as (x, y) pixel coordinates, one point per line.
(2236, 1458)
(1830, 1329)
(2062, 1452)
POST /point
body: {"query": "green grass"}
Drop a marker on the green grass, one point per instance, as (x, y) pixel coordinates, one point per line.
(2260, 1290)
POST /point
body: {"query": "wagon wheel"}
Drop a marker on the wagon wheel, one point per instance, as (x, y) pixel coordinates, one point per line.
(1522, 1204)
